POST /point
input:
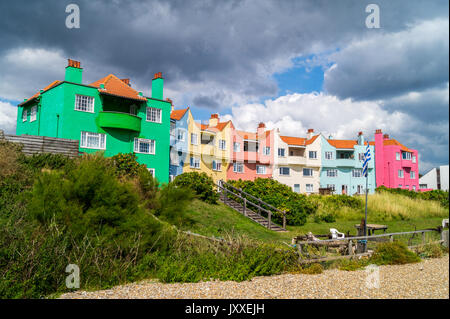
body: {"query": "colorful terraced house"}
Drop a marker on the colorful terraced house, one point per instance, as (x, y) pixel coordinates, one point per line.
(297, 162)
(252, 154)
(107, 115)
(179, 131)
(209, 147)
(397, 166)
(342, 162)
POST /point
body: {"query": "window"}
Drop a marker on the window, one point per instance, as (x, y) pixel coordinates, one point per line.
(93, 140)
(406, 156)
(307, 172)
(332, 172)
(195, 162)
(152, 171)
(414, 158)
(407, 186)
(266, 150)
(216, 166)
(194, 139)
(153, 115)
(400, 173)
(222, 145)
(313, 154)
(397, 156)
(297, 188)
(236, 147)
(332, 187)
(281, 152)
(412, 175)
(399, 185)
(24, 115)
(84, 103)
(171, 178)
(361, 157)
(181, 136)
(238, 167)
(33, 113)
(133, 109)
(172, 128)
(260, 169)
(142, 145)
(329, 155)
(357, 172)
(309, 188)
(285, 171)
(414, 187)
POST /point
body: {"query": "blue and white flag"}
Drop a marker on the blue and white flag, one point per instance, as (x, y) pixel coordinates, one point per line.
(366, 160)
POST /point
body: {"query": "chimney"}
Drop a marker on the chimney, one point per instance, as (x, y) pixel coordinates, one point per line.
(157, 86)
(261, 129)
(310, 133)
(214, 120)
(126, 81)
(171, 104)
(385, 136)
(380, 177)
(74, 72)
(360, 138)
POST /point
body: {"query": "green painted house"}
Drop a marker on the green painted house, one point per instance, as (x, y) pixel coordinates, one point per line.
(107, 115)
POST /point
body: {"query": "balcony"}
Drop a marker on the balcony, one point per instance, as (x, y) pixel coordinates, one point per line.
(124, 121)
(407, 163)
(296, 160)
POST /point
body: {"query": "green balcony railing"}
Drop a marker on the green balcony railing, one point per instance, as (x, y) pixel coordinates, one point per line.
(124, 121)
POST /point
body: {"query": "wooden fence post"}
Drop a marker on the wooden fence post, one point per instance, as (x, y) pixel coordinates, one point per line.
(245, 206)
(284, 220)
(270, 219)
(391, 238)
(423, 238)
(350, 247)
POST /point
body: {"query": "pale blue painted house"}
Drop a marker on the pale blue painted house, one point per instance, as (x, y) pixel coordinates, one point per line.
(178, 141)
(342, 162)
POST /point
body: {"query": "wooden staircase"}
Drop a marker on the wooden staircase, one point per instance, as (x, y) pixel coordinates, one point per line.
(249, 201)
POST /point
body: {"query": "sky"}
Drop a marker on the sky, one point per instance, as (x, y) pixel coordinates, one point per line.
(293, 65)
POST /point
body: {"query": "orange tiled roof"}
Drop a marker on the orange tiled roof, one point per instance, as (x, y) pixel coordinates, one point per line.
(247, 135)
(115, 86)
(343, 143)
(395, 142)
(312, 139)
(178, 114)
(219, 127)
(290, 140)
(48, 87)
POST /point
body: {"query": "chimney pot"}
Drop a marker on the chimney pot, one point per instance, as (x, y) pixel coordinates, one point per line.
(215, 116)
(386, 136)
(261, 125)
(157, 76)
(311, 130)
(170, 101)
(360, 133)
(378, 131)
(126, 81)
(74, 64)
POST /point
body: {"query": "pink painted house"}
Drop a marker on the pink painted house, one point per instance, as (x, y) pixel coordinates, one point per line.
(396, 166)
(252, 154)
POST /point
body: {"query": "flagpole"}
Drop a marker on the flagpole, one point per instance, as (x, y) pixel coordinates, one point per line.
(365, 219)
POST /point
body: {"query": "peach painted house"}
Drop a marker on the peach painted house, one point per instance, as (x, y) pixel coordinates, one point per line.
(397, 166)
(297, 161)
(252, 154)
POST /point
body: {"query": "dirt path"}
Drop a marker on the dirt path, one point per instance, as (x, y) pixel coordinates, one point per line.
(427, 279)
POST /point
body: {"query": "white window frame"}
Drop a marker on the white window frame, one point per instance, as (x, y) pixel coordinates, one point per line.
(24, 115)
(283, 151)
(137, 144)
(236, 147)
(194, 162)
(412, 175)
(84, 144)
(361, 157)
(330, 171)
(398, 156)
(357, 172)
(400, 186)
(401, 174)
(171, 178)
(281, 169)
(309, 188)
(266, 150)
(181, 135)
(313, 152)
(83, 103)
(217, 166)
(414, 159)
(222, 145)
(196, 139)
(414, 188)
(33, 113)
(264, 169)
(293, 188)
(332, 187)
(238, 167)
(173, 128)
(153, 172)
(329, 155)
(153, 112)
(309, 170)
(408, 156)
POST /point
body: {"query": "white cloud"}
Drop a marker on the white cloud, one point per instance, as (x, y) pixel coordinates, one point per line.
(8, 113)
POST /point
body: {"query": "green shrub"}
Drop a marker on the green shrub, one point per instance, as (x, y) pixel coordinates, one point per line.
(127, 164)
(297, 206)
(173, 202)
(202, 184)
(46, 160)
(352, 264)
(311, 269)
(431, 250)
(393, 253)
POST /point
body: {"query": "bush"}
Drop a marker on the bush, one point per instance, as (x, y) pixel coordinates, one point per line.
(431, 250)
(202, 184)
(393, 253)
(127, 164)
(173, 202)
(312, 269)
(281, 196)
(46, 160)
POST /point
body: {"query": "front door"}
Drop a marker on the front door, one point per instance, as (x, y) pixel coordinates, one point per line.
(344, 189)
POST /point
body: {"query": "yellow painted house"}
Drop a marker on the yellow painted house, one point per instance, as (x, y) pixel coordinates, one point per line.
(209, 147)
